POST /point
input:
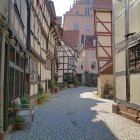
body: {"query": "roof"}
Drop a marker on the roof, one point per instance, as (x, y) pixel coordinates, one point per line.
(59, 20)
(71, 37)
(108, 69)
(102, 4)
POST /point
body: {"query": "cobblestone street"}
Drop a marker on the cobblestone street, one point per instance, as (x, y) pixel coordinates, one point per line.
(78, 114)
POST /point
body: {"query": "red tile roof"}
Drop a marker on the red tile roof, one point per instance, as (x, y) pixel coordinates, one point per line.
(102, 4)
(59, 20)
(71, 37)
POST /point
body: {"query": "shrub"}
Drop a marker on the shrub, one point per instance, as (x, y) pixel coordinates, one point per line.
(13, 107)
(25, 100)
(107, 88)
(53, 84)
(70, 82)
(43, 96)
(40, 88)
(20, 119)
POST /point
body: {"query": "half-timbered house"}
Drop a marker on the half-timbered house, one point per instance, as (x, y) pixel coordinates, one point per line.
(127, 57)
(3, 49)
(53, 43)
(14, 20)
(103, 30)
(39, 36)
(87, 62)
(67, 56)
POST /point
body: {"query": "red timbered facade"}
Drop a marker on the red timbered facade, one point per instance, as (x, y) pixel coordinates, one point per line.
(103, 31)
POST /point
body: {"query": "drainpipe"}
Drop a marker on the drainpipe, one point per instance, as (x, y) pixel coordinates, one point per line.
(2, 55)
(127, 51)
(113, 48)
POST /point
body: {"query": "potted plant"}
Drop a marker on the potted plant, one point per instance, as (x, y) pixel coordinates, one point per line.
(19, 123)
(70, 83)
(40, 99)
(13, 108)
(40, 94)
(40, 88)
(25, 101)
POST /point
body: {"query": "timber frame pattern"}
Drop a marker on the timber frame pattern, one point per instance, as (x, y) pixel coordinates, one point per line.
(105, 57)
(67, 62)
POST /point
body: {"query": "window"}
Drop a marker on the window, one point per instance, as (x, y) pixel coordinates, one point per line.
(87, 2)
(87, 11)
(17, 85)
(134, 59)
(93, 65)
(76, 26)
(67, 77)
(83, 54)
(21, 83)
(77, 13)
(12, 54)
(81, 67)
(17, 59)
(71, 61)
(16, 75)
(11, 85)
(87, 27)
(92, 54)
(83, 1)
(94, 42)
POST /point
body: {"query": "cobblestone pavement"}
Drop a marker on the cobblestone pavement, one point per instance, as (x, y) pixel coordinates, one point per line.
(78, 114)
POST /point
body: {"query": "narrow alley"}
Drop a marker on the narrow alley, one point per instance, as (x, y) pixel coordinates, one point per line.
(78, 114)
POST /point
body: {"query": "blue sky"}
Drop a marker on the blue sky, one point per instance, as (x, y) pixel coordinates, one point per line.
(61, 6)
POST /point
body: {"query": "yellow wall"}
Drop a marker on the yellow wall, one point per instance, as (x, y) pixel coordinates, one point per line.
(101, 82)
(120, 62)
(135, 88)
(121, 87)
(134, 20)
(119, 21)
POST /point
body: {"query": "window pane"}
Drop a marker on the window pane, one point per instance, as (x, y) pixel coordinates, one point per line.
(17, 83)
(76, 26)
(21, 83)
(12, 54)
(11, 83)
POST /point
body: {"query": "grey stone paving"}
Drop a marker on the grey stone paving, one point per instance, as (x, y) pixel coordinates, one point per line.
(77, 114)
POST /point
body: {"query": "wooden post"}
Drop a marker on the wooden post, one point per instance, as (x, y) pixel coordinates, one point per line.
(2, 82)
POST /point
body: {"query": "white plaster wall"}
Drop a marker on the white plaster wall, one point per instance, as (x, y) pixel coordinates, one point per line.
(134, 20)
(120, 64)
(105, 40)
(60, 72)
(121, 87)
(101, 82)
(104, 16)
(48, 75)
(135, 88)
(60, 79)
(33, 89)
